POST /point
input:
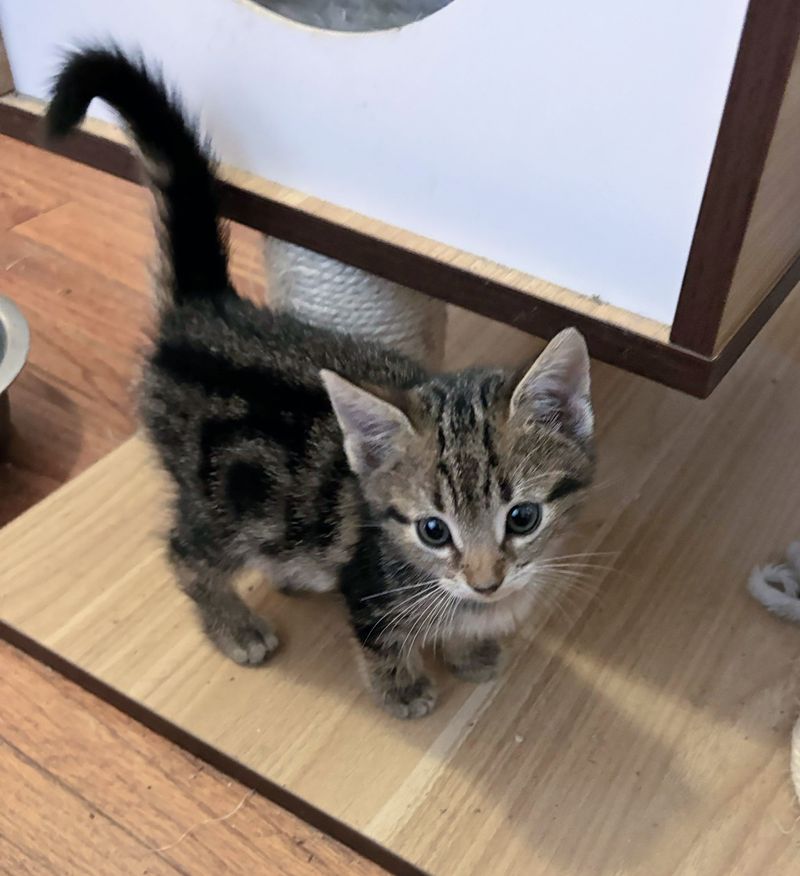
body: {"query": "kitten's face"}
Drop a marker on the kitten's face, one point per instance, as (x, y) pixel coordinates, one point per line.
(481, 521)
(473, 475)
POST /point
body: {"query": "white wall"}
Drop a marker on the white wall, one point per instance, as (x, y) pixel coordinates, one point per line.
(567, 139)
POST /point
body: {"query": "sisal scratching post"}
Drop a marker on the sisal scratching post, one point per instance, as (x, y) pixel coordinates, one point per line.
(323, 291)
(778, 588)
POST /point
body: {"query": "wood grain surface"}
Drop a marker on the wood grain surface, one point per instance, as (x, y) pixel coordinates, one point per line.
(642, 730)
(88, 790)
(772, 240)
(760, 74)
(95, 792)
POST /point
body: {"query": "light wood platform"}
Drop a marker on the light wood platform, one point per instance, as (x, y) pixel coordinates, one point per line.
(644, 731)
(88, 790)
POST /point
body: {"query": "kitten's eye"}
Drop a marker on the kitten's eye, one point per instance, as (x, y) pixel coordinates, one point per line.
(523, 518)
(433, 532)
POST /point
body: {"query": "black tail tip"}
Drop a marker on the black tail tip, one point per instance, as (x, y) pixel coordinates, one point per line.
(65, 111)
(76, 84)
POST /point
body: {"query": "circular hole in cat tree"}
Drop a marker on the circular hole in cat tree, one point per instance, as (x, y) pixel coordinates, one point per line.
(355, 15)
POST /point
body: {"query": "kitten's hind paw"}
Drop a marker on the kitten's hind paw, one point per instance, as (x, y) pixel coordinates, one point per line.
(414, 700)
(248, 644)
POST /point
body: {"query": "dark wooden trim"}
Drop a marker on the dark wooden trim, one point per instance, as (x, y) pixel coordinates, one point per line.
(747, 331)
(760, 73)
(670, 364)
(231, 767)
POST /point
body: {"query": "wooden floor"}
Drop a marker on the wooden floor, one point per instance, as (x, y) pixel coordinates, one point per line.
(644, 730)
(85, 788)
(88, 790)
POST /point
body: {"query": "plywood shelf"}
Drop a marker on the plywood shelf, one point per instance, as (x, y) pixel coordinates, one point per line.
(644, 733)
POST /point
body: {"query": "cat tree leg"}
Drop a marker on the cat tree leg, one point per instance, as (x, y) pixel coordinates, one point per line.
(323, 291)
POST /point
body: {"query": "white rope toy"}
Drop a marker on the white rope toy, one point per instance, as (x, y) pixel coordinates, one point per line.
(778, 588)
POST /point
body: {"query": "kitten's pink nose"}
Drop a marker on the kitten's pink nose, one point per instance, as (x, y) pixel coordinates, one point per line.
(484, 571)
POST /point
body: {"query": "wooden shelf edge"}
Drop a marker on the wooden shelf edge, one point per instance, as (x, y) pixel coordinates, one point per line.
(614, 336)
(225, 764)
(767, 47)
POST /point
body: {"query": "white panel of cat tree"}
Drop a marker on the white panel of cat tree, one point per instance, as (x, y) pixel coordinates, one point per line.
(570, 140)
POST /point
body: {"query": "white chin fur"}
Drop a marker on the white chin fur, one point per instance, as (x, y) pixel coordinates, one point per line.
(498, 616)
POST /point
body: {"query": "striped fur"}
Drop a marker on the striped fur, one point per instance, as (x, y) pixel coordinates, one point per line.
(314, 455)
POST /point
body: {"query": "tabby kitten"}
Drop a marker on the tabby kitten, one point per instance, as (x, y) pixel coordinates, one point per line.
(429, 502)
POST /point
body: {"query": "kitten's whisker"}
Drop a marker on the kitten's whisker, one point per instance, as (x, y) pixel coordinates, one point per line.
(536, 574)
(585, 554)
(568, 579)
(415, 596)
(410, 605)
(398, 589)
(554, 599)
(425, 625)
(435, 624)
(571, 568)
(416, 591)
(569, 589)
(591, 571)
(397, 617)
(444, 624)
(577, 563)
(573, 589)
(578, 571)
(422, 621)
(436, 627)
(453, 611)
(569, 564)
(418, 625)
(551, 604)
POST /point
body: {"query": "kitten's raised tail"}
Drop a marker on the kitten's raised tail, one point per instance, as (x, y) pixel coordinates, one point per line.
(179, 166)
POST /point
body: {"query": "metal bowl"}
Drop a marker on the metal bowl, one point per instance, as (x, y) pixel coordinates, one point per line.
(15, 341)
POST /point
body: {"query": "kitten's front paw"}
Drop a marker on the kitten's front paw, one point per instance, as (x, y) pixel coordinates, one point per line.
(413, 700)
(478, 662)
(249, 643)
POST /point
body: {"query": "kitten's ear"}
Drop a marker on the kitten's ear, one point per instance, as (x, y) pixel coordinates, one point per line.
(373, 429)
(556, 388)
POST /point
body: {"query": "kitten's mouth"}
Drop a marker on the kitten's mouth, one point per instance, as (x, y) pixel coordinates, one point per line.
(478, 599)
(474, 598)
